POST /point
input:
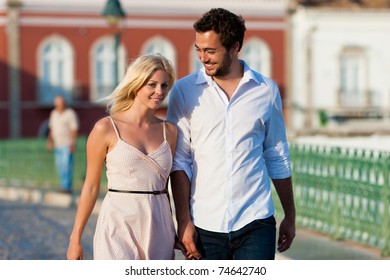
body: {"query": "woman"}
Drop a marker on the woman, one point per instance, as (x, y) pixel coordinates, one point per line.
(135, 220)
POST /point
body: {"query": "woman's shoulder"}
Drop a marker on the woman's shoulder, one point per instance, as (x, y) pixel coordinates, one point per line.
(103, 123)
(103, 126)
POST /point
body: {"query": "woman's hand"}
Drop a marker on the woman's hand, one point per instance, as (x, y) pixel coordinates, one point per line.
(75, 251)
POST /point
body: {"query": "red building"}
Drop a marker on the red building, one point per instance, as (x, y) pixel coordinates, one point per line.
(67, 47)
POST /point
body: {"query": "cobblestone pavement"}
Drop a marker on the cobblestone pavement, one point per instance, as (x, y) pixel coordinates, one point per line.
(41, 232)
(38, 232)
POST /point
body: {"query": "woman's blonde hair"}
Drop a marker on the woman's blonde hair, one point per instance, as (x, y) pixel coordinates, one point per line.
(138, 74)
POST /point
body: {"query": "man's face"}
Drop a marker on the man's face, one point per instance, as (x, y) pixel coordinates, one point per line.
(59, 103)
(215, 58)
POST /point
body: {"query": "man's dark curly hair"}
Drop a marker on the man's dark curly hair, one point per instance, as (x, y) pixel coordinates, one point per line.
(229, 27)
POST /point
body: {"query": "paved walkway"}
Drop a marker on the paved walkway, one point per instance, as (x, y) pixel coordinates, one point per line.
(36, 224)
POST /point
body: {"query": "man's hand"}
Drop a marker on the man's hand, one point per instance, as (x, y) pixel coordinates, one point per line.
(286, 234)
(50, 145)
(188, 237)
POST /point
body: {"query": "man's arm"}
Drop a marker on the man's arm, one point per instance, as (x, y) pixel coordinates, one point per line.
(74, 125)
(73, 137)
(182, 173)
(181, 187)
(50, 142)
(284, 189)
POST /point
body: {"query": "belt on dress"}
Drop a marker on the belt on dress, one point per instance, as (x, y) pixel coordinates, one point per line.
(164, 191)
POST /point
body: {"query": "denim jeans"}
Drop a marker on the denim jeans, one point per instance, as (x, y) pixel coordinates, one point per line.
(255, 241)
(64, 162)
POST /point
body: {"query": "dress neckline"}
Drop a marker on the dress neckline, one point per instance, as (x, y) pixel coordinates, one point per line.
(141, 152)
(148, 154)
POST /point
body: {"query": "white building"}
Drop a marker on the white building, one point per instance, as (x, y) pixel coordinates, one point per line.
(339, 68)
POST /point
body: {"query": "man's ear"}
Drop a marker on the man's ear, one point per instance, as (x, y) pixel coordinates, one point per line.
(235, 47)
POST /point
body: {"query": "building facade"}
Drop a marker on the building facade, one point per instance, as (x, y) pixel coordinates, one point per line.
(63, 47)
(340, 66)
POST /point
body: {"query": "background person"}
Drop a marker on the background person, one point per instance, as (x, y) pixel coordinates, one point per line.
(62, 137)
(231, 140)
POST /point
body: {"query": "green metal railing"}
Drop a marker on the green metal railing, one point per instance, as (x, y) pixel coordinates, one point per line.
(27, 163)
(342, 192)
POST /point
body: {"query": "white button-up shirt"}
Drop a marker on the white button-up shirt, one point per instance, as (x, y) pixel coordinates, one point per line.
(229, 149)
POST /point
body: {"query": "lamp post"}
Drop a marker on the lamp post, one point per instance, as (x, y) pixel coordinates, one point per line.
(114, 13)
(13, 33)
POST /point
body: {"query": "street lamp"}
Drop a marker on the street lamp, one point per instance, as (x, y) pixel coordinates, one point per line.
(114, 13)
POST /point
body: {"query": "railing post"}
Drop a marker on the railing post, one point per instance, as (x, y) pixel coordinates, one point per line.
(335, 187)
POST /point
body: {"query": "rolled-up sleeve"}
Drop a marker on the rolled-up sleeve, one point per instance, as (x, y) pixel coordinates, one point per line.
(276, 151)
(177, 115)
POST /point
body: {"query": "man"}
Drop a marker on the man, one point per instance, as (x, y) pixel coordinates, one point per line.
(231, 140)
(63, 127)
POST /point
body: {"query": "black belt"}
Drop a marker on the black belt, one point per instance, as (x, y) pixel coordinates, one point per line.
(140, 192)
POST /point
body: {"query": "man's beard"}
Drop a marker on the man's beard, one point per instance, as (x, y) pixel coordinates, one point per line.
(224, 69)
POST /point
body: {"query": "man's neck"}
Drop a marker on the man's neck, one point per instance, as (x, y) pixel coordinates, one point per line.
(229, 82)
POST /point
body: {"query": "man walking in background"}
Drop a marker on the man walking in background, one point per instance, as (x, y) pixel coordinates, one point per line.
(63, 128)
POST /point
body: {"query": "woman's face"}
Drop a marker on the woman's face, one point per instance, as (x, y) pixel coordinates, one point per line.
(154, 91)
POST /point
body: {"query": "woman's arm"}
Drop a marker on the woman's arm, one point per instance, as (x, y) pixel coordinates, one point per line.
(97, 146)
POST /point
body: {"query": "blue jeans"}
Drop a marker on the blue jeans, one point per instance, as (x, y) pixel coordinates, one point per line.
(64, 162)
(255, 241)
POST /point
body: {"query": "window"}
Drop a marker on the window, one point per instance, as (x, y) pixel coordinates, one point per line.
(352, 78)
(56, 71)
(159, 45)
(107, 67)
(257, 55)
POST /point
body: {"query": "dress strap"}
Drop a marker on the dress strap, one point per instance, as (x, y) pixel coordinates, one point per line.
(164, 130)
(115, 128)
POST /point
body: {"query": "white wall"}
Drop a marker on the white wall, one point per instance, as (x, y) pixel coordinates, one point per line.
(324, 33)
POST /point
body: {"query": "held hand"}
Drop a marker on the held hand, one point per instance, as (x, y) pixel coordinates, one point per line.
(286, 234)
(188, 236)
(179, 246)
(75, 251)
(49, 145)
(72, 148)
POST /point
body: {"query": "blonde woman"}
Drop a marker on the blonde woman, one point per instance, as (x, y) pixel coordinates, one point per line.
(135, 220)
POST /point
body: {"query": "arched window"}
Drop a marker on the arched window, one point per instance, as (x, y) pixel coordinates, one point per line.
(108, 66)
(160, 45)
(56, 71)
(256, 53)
